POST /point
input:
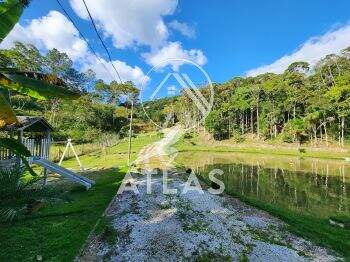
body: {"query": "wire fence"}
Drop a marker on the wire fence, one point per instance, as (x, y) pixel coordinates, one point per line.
(58, 147)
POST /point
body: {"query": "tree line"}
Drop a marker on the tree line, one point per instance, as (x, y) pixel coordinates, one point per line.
(302, 104)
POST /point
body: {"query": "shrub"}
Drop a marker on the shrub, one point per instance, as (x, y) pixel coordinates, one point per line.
(237, 137)
(20, 194)
(188, 135)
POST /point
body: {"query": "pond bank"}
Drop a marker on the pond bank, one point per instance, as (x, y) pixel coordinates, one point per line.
(201, 143)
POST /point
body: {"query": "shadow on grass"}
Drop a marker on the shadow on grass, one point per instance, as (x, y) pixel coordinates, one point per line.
(58, 230)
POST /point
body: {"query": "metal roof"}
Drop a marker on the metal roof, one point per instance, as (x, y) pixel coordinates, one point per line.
(33, 124)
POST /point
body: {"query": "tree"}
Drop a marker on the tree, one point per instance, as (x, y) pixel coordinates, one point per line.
(36, 85)
(58, 63)
(302, 103)
(23, 57)
(297, 128)
(339, 95)
(298, 67)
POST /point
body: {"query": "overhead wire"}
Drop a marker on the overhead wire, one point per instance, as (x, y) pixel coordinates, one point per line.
(84, 38)
(103, 44)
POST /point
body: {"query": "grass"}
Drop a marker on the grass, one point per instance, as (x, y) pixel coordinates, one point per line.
(112, 156)
(200, 144)
(105, 231)
(211, 257)
(57, 232)
(341, 219)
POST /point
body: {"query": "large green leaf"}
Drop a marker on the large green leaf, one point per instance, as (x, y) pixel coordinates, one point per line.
(10, 12)
(7, 116)
(19, 149)
(36, 85)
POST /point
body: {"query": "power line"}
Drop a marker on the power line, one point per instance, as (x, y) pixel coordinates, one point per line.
(84, 38)
(109, 55)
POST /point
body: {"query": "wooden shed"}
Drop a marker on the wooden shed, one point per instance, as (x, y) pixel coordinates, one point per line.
(34, 133)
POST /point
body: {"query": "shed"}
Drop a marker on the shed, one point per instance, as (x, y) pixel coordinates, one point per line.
(35, 133)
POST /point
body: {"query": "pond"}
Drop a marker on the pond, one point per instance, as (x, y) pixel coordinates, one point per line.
(317, 187)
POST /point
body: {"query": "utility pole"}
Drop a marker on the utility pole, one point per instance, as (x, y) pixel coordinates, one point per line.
(130, 130)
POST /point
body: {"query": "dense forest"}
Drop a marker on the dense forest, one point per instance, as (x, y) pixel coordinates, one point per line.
(302, 104)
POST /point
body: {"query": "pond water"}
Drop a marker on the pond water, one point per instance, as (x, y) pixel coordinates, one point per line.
(312, 186)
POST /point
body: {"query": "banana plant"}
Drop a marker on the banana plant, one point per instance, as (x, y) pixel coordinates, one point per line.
(36, 85)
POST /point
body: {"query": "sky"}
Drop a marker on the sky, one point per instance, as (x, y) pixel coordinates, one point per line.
(227, 38)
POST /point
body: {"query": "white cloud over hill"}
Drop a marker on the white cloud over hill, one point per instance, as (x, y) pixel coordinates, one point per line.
(311, 51)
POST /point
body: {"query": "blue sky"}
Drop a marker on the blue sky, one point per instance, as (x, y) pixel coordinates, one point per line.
(227, 38)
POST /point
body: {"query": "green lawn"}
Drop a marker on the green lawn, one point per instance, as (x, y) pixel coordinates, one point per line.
(58, 231)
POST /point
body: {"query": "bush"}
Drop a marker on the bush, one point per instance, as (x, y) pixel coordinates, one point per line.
(20, 195)
(188, 135)
(10, 185)
(237, 137)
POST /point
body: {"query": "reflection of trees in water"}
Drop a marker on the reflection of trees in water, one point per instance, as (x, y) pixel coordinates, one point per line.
(316, 192)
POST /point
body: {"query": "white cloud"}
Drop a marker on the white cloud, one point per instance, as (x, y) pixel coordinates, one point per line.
(126, 72)
(18, 33)
(133, 23)
(174, 50)
(183, 28)
(311, 51)
(56, 31)
(129, 22)
(48, 32)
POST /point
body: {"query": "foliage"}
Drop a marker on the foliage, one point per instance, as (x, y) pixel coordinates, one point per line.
(214, 123)
(300, 104)
(15, 193)
(294, 130)
(7, 116)
(10, 183)
(36, 85)
(85, 119)
(10, 11)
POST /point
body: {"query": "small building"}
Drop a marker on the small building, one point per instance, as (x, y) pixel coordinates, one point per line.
(34, 132)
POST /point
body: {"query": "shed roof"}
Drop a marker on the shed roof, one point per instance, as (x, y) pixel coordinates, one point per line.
(33, 124)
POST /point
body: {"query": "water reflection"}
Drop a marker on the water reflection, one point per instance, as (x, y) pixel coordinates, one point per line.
(318, 187)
